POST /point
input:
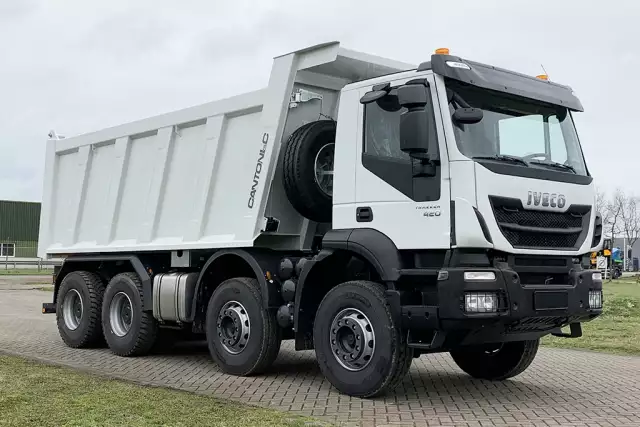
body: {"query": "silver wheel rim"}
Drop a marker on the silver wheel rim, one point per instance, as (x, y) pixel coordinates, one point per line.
(72, 309)
(352, 339)
(233, 327)
(323, 168)
(121, 314)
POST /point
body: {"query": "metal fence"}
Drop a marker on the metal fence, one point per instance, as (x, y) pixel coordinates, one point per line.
(22, 257)
(35, 264)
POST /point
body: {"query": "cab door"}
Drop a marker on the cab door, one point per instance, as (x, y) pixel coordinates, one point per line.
(392, 193)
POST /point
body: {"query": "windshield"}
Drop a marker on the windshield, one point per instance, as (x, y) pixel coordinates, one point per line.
(541, 134)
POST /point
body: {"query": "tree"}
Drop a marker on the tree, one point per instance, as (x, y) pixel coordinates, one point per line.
(602, 206)
(614, 209)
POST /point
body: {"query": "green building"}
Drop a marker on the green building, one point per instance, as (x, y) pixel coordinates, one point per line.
(19, 225)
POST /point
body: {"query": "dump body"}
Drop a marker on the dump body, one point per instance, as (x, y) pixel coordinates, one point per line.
(194, 178)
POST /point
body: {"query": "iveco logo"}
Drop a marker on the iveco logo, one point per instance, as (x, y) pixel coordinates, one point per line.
(546, 199)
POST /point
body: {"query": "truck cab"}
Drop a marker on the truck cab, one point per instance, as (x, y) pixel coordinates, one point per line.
(464, 186)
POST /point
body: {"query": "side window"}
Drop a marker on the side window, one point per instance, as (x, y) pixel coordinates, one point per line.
(382, 128)
(7, 250)
(382, 155)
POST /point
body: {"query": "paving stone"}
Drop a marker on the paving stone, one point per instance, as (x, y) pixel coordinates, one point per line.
(562, 387)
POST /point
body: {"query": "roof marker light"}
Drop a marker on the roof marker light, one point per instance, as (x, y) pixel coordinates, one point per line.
(442, 51)
(542, 77)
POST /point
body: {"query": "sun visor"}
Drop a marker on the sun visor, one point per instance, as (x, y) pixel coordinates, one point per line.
(498, 79)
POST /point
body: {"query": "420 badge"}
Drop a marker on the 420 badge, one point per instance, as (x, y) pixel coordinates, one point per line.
(430, 210)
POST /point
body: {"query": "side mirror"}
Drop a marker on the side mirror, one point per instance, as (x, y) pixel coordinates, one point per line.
(467, 116)
(606, 244)
(414, 123)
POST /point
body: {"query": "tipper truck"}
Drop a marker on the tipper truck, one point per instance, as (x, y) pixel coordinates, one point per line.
(370, 210)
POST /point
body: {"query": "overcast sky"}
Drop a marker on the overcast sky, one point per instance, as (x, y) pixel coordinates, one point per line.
(77, 65)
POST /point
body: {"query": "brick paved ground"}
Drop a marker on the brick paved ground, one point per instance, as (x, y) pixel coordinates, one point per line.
(561, 388)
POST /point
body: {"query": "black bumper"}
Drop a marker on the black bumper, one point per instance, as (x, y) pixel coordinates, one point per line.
(522, 309)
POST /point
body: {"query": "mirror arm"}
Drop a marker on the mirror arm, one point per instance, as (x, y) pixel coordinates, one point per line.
(460, 101)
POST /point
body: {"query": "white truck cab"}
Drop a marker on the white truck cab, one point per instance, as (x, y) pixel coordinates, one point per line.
(474, 166)
(371, 210)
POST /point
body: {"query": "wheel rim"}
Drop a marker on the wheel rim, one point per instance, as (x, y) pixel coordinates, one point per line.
(72, 309)
(323, 168)
(121, 314)
(233, 327)
(352, 338)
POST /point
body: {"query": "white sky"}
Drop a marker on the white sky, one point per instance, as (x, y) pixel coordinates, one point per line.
(77, 65)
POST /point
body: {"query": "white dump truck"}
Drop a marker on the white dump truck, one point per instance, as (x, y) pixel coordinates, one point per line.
(367, 209)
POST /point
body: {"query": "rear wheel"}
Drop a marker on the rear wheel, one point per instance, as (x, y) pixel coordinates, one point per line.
(78, 309)
(496, 361)
(359, 348)
(243, 335)
(128, 330)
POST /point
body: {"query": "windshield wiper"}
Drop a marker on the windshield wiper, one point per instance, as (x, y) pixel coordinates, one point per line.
(555, 165)
(503, 158)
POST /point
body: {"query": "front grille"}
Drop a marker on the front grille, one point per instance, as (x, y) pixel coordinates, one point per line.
(530, 229)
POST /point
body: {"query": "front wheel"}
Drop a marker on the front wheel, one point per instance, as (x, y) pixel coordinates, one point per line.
(359, 347)
(496, 361)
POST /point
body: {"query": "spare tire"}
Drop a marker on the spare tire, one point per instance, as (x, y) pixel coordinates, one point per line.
(308, 169)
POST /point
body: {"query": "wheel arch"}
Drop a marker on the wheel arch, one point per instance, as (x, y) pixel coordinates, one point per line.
(379, 260)
(370, 245)
(226, 264)
(97, 263)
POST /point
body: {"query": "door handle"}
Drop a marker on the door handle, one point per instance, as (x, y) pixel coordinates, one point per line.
(364, 214)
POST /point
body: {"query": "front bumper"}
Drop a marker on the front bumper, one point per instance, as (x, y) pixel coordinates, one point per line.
(520, 305)
(524, 310)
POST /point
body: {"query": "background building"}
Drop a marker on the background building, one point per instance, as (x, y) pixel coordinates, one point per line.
(19, 225)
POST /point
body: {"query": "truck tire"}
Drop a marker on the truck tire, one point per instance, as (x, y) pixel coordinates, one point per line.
(78, 309)
(243, 336)
(489, 363)
(128, 330)
(308, 169)
(616, 273)
(353, 313)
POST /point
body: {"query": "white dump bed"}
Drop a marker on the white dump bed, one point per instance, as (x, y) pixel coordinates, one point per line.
(184, 180)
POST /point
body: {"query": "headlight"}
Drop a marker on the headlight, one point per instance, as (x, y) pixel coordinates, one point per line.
(596, 277)
(480, 302)
(595, 299)
(479, 276)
